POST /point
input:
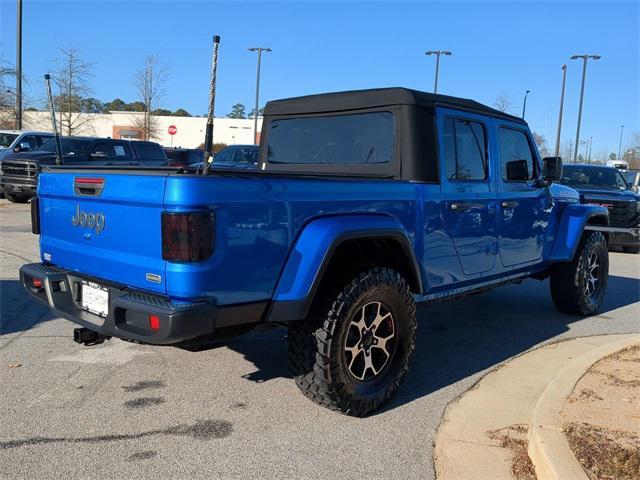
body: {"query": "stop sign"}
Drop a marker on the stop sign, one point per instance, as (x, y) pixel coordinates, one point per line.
(172, 129)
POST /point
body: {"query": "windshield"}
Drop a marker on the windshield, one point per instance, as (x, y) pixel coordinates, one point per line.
(631, 177)
(602, 177)
(70, 146)
(6, 139)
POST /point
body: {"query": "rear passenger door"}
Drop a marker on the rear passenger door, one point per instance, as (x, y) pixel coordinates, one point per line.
(524, 206)
(469, 197)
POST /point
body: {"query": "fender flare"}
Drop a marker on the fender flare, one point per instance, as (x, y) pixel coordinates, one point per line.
(570, 229)
(312, 252)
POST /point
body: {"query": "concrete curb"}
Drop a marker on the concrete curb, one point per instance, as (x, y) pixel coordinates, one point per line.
(548, 447)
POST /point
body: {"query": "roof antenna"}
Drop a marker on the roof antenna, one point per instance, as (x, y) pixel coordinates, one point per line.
(47, 80)
(208, 137)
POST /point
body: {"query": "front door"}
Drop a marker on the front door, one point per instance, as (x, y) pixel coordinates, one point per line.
(469, 198)
(524, 206)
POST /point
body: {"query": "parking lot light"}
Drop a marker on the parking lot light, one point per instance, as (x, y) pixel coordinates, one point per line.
(584, 58)
(255, 111)
(437, 53)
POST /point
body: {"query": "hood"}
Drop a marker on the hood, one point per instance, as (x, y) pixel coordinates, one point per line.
(613, 195)
(41, 158)
(564, 193)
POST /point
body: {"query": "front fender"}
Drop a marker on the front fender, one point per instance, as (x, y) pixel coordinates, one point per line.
(574, 218)
(312, 252)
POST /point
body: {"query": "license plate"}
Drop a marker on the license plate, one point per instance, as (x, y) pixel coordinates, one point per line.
(16, 188)
(95, 298)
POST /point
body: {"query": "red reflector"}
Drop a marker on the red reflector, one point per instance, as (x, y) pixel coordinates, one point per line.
(93, 181)
(37, 283)
(154, 322)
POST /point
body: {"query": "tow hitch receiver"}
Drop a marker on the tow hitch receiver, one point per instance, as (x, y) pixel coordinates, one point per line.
(88, 337)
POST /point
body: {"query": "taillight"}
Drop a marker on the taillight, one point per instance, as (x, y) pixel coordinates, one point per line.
(187, 237)
(35, 215)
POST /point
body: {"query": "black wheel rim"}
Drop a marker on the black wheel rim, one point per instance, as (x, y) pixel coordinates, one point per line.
(592, 280)
(370, 341)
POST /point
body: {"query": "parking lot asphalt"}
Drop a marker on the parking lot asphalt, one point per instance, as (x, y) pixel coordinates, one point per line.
(121, 410)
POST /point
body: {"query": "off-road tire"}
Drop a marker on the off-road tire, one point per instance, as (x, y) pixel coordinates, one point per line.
(16, 198)
(631, 249)
(569, 280)
(316, 344)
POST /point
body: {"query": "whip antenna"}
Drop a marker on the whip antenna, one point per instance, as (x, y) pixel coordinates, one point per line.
(52, 109)
(208, 137)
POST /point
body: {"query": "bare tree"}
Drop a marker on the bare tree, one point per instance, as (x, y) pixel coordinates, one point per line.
(503, 102)
(149, 84)
(541, 143)
(72, 80)
(7, 94)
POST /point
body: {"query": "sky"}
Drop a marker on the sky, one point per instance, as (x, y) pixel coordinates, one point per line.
(330, 46)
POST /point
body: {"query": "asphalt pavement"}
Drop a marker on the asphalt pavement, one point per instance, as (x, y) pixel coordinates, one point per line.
(121, 410)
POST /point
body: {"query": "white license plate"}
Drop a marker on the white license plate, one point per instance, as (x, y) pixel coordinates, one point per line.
(95, 298)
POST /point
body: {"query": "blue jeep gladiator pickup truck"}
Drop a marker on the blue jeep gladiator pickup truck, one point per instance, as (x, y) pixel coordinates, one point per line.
(365, 203)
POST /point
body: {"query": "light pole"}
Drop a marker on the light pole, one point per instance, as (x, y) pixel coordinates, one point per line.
(524, 104)
(255, 111)
(19, 67)
(564, 80)
(584, 74)
(620, 144)
(437, 53)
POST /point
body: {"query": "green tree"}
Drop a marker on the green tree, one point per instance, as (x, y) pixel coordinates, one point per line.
(161, 111)
(253, 111)
(237, 111)
(115, 105)
(91, 105)
(181, 112)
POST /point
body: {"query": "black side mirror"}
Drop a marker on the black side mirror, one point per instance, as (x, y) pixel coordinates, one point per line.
(517, 170)
(552, 168)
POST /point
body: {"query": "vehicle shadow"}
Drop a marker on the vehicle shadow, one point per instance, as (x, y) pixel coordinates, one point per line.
(18, 310)
(458, 339)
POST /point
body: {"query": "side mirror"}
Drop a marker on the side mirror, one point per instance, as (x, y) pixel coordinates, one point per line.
(517, 170)
(23, 147)
(552, 168)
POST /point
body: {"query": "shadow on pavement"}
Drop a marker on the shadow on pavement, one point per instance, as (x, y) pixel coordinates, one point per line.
(460, 338)
(18, 310)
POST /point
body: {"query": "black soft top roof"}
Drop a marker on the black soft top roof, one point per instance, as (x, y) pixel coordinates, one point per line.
(376, 97)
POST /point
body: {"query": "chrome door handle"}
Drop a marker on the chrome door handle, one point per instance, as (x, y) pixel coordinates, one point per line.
(464, 206)
(509, 204)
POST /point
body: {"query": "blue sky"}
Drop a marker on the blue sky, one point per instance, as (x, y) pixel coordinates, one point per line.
(328, 46)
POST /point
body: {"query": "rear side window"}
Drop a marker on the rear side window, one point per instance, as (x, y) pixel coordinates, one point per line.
(149, 151)
(121, 151)
(465, 150)
(516, 157)
(357, 139)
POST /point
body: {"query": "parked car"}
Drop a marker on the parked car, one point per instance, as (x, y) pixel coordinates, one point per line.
(364, 204)
(183, 157)
(633, 179)
(19, 171)
(236, 156)
(14, 141)
(608, 187)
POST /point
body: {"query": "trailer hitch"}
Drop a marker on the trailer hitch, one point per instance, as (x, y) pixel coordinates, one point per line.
(87, 337)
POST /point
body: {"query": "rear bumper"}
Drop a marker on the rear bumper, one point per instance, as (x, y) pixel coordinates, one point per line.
(129, 311)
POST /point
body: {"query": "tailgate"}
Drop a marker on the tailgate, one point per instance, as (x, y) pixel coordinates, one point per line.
(104, 225)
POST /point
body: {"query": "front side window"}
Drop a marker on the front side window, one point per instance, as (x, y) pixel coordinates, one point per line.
(70, 146)
(465, 150)
(355, 139)
(517, 159)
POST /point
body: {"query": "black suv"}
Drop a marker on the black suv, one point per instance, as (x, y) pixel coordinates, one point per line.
(19, 171)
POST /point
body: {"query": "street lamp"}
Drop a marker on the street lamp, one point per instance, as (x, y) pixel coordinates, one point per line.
(564, 80)
(437, 53)
(19, 66)
(584, 74)
(255, 111)
(524, 104)
(620, 144)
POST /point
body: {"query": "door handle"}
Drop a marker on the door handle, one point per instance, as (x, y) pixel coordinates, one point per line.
(464, 206)
(509, 204)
